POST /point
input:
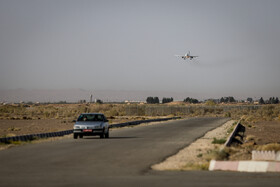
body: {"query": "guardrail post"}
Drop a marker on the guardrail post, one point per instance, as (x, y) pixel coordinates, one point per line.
(238, 128)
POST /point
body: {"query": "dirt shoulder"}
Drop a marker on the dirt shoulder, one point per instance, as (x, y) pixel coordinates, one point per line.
(22, 127)
(263, 132)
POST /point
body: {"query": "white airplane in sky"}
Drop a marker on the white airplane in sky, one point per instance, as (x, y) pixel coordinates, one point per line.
(186, 56)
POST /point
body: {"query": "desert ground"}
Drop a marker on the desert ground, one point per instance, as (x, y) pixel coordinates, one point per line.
(262, 124)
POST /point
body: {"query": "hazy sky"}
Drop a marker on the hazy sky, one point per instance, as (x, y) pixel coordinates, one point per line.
(130, 45)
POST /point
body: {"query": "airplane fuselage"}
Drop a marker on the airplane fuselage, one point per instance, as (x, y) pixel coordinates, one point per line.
(186, 56)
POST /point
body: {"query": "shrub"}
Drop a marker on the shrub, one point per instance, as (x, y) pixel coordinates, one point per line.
(218, 154)
(219, 141)
(199, 155)
(210, 103)
(230, 129)
(269, 147)
(250, 138)
(194, 166)
(14, 129)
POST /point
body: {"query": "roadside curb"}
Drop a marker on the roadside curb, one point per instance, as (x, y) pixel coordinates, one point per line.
(245, 166)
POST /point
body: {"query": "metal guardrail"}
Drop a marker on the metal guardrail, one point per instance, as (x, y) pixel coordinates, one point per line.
(238, 128)
(31, 137)
(141, 121)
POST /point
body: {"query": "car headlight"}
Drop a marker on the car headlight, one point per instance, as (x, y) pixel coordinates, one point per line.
(76, 127)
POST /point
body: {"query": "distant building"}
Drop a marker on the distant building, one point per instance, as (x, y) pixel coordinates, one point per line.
(82, 101)
(135, 102)
(90, 100)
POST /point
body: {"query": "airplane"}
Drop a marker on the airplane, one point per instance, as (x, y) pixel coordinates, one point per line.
(186, 56)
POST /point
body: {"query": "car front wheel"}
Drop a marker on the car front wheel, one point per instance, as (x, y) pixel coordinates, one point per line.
(103, 133)
(107, 134)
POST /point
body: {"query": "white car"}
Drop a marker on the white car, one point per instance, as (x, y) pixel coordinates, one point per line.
(91, 124)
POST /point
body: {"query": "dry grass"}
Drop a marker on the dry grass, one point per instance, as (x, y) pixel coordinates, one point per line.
(216, 154)
(196, 166)
(268, 147)
(248, 113)
(250, 138)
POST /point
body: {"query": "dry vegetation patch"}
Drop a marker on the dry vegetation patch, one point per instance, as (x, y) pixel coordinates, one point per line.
(22, 127)
(263, 132)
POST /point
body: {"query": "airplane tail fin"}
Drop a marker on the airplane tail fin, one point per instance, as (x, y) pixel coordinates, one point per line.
(187, 54)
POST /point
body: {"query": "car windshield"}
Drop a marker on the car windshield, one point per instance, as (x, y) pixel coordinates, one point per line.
(91, 117)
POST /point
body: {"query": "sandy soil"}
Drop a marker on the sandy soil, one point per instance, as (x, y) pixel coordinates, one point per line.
(191, 155)
(21, 127)
(264, 132)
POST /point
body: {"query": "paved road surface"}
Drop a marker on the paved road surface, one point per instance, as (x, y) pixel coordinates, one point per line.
(122, 160)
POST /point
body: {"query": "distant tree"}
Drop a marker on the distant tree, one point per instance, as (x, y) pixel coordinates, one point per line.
(156, 100)
(152, 100)
(222, 100)
(229, 99)
(195, 101)
(99, 101)
(167, 100)
(276, 100)
(149, 100)
(187, 100)
(191, 100)
(269, 101)
(261, 101)
(273, 100)
(250, 100)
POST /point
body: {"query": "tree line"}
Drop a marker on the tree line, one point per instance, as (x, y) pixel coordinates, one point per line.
(191, 100)
(155, 100)
(229, 99)
(271, 100)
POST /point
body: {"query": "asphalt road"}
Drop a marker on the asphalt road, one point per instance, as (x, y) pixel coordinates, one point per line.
(122, 160)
